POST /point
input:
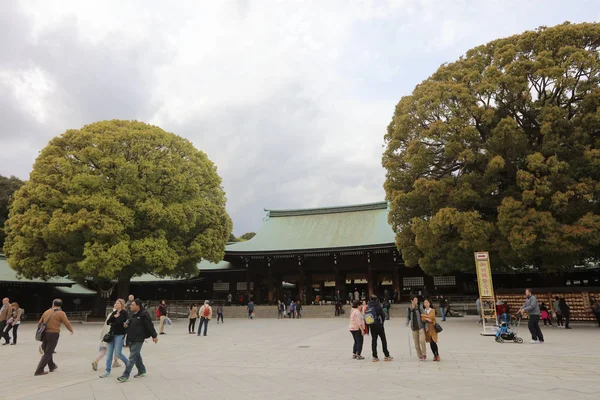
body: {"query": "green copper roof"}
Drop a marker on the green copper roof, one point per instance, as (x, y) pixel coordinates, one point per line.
(320, 229)
(9, 275)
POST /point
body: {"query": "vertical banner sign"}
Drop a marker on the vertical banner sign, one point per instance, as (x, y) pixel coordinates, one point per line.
(484, 275)
(486, 292)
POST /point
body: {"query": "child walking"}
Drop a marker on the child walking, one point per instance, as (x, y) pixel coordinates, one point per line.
(545, 315)
(220, 314)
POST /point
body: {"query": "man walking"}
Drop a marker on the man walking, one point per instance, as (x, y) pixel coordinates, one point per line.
(532, 308)
(205, 316)
(443, 307)
(128, 304)
(417, 327)
(139, 327)
(375, 318)
(5, 314)
(53, 318)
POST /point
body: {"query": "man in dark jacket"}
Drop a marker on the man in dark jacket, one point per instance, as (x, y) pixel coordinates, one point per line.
(139, 327)
(375, 311)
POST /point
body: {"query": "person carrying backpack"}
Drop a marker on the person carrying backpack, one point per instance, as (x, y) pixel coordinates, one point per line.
(375, 318)
(139, 327)
(205, 316)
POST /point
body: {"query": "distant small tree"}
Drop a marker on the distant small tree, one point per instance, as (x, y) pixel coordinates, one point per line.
(115, 199)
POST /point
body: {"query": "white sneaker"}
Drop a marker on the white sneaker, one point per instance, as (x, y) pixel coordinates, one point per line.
(534, 342)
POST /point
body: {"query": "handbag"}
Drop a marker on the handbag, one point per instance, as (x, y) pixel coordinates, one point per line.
(108, 337)
(39, 333)
(168, 321)
(438, 328)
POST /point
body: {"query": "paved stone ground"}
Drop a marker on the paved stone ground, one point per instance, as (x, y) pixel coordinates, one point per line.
(311, 358)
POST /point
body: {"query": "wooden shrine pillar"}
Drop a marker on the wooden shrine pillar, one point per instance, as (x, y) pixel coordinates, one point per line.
(340, 279)
(270, 283)
(248, 279)
(369, 276)
(396, 281)
(308, 286)
(301, 281)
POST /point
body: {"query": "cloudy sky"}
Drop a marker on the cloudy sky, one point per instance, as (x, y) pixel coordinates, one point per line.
(290, 99)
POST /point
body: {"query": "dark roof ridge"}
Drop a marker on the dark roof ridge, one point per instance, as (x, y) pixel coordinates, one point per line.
(382, 205)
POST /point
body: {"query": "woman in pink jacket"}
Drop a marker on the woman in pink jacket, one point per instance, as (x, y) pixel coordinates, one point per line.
(357, 329)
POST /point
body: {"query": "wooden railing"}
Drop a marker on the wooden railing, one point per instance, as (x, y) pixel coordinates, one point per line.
(71, 315)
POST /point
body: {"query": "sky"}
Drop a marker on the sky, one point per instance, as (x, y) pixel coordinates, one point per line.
(290, 99)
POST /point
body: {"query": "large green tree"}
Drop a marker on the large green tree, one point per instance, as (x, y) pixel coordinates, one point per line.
(8, 186)
(116, 199)
(500, 151)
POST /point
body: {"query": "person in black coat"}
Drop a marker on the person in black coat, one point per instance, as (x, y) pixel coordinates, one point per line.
(376, 328)
(565, 310)
(139, 327)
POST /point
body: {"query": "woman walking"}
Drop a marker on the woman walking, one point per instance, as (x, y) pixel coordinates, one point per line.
(102, 347)
(566, 311)
(14, 321)
(117, 331)
(193, 317)
(431, 336)
(357, 329)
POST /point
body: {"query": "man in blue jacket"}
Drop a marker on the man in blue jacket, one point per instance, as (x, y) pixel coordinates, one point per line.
(139, 327)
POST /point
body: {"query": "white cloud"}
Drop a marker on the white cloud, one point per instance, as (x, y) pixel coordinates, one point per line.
(290, 99)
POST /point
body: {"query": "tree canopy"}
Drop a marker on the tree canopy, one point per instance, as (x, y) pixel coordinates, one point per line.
(8, 186)
(500, 151)
(116, 199)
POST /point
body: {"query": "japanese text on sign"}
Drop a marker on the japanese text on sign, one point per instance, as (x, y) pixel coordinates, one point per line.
(484, 275)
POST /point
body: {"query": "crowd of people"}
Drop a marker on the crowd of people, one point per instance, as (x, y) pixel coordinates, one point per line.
(129, 325)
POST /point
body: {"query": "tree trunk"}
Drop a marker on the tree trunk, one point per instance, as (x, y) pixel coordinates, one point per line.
(123, 287)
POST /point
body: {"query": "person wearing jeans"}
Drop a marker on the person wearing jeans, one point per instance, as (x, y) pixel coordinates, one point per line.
(443, 307)
(357, 329)
(205, 316)
(117, 330)
(532, 308)
(139, 327)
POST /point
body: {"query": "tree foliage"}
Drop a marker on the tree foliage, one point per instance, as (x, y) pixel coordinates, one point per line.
(8, 186)
(244, 238)
(117, 199)
(500, 151)
(248, 235)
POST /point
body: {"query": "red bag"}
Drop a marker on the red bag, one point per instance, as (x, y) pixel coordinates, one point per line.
(206, 311)
(158, 312)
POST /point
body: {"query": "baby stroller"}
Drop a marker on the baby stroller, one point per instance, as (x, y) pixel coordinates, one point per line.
(504, 332)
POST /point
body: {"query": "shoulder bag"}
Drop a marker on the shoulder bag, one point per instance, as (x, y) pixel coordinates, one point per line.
(438, 328)
(39, 333)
